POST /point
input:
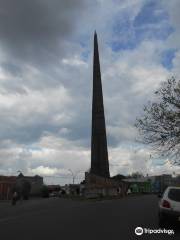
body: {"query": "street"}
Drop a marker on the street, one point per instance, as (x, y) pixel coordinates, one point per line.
(66, 219)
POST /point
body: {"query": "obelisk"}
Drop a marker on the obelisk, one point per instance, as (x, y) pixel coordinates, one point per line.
(99, 152)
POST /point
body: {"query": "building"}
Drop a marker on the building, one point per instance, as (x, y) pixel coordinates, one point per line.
(6, 185)
(97, 186)
(74, 189)
(176, 181)
(36, 183)
(9, 183)
(138, 185)
(161, 182)
(54, 188)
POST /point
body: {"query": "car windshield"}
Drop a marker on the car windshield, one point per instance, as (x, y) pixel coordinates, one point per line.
(174, 194)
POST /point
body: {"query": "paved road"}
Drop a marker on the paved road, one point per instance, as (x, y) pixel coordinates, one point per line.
(69, 219)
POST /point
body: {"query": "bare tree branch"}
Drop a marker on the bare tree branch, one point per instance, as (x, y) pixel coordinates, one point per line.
(160, 124)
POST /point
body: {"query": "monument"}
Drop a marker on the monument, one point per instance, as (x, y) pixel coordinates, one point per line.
(98, 182)
(99, 152)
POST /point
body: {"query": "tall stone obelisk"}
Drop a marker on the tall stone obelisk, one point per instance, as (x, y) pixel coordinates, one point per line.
(99, 152)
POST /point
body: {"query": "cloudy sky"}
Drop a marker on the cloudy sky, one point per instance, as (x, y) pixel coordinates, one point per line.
(46, 81)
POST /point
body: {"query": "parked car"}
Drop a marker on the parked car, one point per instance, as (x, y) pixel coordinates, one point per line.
(53, 194)
(169, 205)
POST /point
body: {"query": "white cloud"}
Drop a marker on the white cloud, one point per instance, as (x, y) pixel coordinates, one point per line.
(76, 61)
(43, 171)
(45, 105)
(126, 159)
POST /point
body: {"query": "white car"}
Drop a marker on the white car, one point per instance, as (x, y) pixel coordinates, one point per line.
(169, 205)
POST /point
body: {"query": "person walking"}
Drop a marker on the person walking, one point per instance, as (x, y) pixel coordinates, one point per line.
(14, 198)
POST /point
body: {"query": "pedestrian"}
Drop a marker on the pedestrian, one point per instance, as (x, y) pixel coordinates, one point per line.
(14, 198)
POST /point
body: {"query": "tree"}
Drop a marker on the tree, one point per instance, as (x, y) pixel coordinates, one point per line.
(45, 191)
(160, 124)
(23, 188)
(136, 175)
(118, 177)
(26, 189)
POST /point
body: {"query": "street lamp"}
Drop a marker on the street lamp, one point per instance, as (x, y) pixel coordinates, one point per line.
(80, 171)
(74, 175)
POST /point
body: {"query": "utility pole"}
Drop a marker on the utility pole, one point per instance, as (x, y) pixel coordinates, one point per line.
(74, 175)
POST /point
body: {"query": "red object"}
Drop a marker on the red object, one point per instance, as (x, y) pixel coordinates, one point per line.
(166, 204)
(6, 184)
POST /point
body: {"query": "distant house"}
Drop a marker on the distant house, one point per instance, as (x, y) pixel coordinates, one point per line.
(6, 185)
(96, 186)
(36, 182)
(9, 183)
(153, 183)
(74, 189)
(138, 185)
(161, 182)
(53, 188)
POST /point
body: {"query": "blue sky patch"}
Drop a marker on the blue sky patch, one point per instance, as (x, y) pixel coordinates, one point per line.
(151, 13)
(152, 22)
(167, 58)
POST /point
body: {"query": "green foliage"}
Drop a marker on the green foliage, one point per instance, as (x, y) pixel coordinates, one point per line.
(45, 191)
(136, 175)
(26, 189)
